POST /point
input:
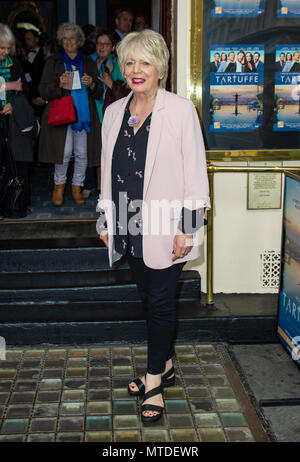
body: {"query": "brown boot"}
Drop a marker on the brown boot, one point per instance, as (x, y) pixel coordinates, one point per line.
(58, 194)
(77, 196)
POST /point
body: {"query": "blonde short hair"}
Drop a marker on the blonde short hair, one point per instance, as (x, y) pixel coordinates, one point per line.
(149, 46)
(71, 26)
(6, 35)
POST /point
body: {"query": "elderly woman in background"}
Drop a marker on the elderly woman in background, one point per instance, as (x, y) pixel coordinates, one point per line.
(10, 70)
(16, 117)
(114, 87)
(152, 153)
(57, 143)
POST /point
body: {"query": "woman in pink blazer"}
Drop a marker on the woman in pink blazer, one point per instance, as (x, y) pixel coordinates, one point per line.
(154, 192)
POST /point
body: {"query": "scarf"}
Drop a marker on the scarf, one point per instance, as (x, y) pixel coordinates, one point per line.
(80, 96)
(112, 63)
(5, 66)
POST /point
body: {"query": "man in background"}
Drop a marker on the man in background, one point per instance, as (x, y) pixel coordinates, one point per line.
(36, 61)
(140, 23)
(124, 21)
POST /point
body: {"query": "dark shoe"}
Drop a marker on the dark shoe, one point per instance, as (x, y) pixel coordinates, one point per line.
(87, 192)
(166, 382)
(152, 407)
(141, 388)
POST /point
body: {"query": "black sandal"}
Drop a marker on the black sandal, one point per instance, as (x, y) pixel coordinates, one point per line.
(140, 385)
(166, 382)
(152, 407)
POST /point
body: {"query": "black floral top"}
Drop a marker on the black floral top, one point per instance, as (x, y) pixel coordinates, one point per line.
(128, 165)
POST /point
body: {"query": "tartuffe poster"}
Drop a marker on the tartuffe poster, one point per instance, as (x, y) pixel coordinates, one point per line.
(237, 8)
(289, 294)
(236, 87)
(288, 9)
(287, 88)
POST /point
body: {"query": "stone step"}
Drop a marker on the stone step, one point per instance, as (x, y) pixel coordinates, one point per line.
(75, 279)
(188, 287)
(84, 311)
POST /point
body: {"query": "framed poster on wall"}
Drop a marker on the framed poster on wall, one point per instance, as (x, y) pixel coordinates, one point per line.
(249, 108)
(288, 328)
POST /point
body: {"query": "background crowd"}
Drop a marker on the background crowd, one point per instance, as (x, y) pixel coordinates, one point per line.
(35, 66)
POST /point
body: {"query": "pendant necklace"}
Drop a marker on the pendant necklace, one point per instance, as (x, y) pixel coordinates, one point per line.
(134, 120)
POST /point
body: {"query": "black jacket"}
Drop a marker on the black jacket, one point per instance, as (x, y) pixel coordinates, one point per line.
(35, 70)
(21, 143)
(23, 128)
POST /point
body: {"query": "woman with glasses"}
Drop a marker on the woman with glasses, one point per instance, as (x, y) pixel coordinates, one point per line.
(57, 143)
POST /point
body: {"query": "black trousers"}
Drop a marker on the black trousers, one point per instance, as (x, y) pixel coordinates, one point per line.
(157, 288)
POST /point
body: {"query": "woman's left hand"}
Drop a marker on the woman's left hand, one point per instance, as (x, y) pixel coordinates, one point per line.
(7, 110)
(182, 245)
(87, 80)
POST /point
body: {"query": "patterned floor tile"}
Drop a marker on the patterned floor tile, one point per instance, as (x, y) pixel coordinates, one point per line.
(14, 426)
(238, 435)
(183, 436)
(127, 436)
(211, 435)
(41, 438)
(98, 437)
(70, 437)
(126, 421)
(47, 424)
(155, 436)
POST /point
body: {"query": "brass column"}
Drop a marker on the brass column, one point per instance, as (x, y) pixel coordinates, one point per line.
(210, 239)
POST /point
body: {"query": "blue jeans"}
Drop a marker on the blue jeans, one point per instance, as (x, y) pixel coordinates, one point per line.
(75, 142)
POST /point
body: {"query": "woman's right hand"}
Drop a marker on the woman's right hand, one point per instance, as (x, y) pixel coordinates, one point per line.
(65, 80)
(104, 237)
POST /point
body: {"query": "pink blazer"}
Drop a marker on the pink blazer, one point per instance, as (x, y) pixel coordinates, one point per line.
(175, 175)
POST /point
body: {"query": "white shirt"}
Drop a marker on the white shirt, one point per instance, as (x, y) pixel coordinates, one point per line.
(32, 54)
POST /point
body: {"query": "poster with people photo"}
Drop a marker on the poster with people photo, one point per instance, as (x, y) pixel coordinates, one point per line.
(289, 294)
(237, 8)
(288, 9)
(287, 88)
(236, 87)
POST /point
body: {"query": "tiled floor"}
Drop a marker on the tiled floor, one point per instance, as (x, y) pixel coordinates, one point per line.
(67, 393)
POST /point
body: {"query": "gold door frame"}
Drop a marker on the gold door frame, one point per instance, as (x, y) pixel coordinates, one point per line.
(29, 6)
(196, 96)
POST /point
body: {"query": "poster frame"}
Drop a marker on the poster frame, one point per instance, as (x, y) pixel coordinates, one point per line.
(281, 335)
(196, 95)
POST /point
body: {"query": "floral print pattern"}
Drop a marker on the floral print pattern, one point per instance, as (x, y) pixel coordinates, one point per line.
(128, 165)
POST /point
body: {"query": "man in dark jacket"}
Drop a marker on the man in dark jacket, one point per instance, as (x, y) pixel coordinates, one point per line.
(124, 21)
(36, 61)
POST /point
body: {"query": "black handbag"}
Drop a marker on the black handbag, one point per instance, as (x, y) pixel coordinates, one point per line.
(13, 199)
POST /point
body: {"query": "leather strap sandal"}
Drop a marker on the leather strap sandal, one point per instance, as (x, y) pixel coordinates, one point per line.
(151, 407)
(140, 385)
(166, 382)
